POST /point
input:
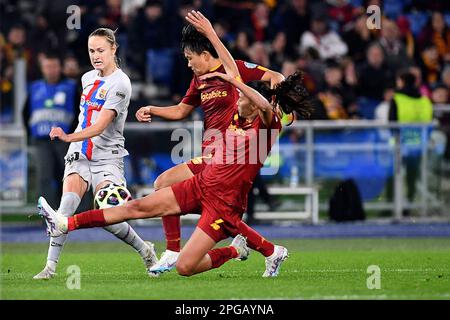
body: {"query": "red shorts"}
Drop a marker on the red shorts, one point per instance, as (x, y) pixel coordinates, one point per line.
(196, 165)
(217, 220)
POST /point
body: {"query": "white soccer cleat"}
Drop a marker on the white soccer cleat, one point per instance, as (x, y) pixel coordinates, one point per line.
(273, 263)
(166, 263)
(151, 259)
(240, 243)
(56, 223)
(45, 274)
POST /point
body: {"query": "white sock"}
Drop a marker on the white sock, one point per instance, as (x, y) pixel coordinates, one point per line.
(126, 233)
(69, 204)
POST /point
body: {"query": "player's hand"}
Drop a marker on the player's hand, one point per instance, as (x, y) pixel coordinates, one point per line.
(143, 114)
(200, 22)
(59, 133)
(216, 74)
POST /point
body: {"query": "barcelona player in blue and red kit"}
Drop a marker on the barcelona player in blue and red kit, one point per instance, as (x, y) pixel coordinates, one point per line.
(220, 190)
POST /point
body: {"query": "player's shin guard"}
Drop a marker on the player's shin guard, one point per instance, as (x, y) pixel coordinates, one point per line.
(221, 255)
(171, 225)
(256, 241)
(68, 205)
(126, 233)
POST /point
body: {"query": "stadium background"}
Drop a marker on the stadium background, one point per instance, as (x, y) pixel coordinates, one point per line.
(269, 33)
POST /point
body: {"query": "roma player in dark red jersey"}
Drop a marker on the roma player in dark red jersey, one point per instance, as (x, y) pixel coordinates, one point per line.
(219, 191)
(217, 99)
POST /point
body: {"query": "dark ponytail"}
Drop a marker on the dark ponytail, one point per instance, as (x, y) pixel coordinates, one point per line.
(290, 94)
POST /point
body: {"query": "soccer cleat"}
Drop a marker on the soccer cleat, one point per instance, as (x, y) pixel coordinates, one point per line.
(151, 259)
(45, 274)
(240, 243)
(167, 262)
(56, 223)
(273, 263)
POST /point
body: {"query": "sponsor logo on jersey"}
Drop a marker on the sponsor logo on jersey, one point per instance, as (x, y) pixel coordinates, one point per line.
(213, 94)
(95, 105)
(120, 94)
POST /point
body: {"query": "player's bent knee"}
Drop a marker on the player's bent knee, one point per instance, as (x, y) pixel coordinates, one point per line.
(160, 182)
(184, 269)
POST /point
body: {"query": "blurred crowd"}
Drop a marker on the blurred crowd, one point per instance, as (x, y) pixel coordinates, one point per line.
(350, 68)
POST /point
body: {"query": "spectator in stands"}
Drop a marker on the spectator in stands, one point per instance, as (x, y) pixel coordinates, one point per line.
(241, 46)
(110, 15)
(293, 18)
(382, 110)
(71, 69)
(393, 47)
(357, 37)
(278, 52)
(409, 106)
(16, 47)
(445, 77)
(406, 36)
(430, 64)
(341, 90)
(51, 102)
(438, 34)
(314, 67)
(148, 30)
(327, 42)
(258, 54)
(423, 88)
(52, 16)
(440, 94)
(373, 77)
(260, 21)
(222, 29)
(340, 11)
(182, 75)
(236, 11)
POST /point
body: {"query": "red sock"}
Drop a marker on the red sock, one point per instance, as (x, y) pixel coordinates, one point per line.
(255, 240)
(221, 255)
(87, 219)
(171, 225)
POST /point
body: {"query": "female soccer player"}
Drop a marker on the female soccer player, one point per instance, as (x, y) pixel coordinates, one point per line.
(220, 190)
(215, 98)
(96, 151)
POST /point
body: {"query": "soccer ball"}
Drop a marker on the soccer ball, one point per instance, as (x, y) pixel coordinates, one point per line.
(111, 195)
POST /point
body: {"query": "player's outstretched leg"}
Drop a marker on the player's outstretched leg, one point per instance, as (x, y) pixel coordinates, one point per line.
(57, 226)
(69, 204)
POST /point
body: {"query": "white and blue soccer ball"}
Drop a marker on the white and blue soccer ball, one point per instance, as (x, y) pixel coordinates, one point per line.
(111, 195)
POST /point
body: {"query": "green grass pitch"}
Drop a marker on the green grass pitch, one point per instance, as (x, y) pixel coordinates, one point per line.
(410, 268)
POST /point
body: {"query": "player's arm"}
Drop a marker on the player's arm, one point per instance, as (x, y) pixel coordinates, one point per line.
(264, 106)
(273, 77)
(203, 25)
(176, 112)
(105, 117)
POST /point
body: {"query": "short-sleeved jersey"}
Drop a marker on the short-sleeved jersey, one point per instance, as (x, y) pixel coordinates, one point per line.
(218, 98)
(232, 171)
(112, 92)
